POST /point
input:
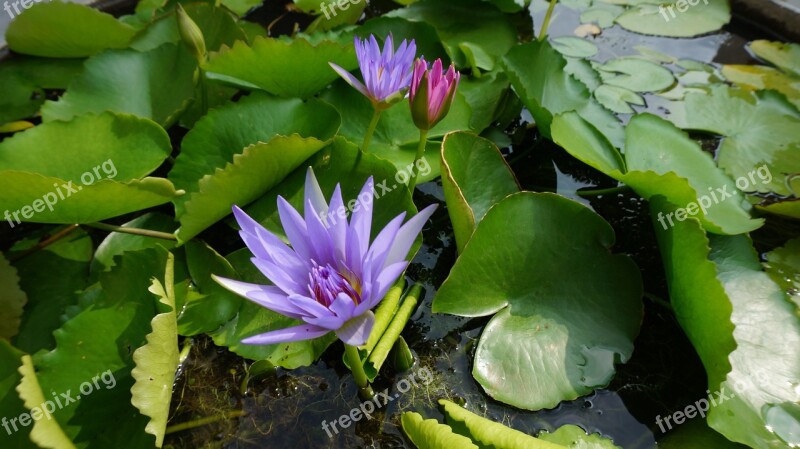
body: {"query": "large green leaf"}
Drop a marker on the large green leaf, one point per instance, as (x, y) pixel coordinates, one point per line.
(760, 131)
(566, 309)
(135, 147)
(253, 319)
(94, 351)
(424, 35)
(676, 18)
(156, 84)
(549, 89)
(226, 131)
(785, 56)
(475, 177)
(218, 26)
(756, 77)
(53, 174)
(430, 434)
(12, 300)
(66, 30)
(255, 171)
(487, 433)
(661, 160)
(50, 277)
(742, 326)
(638, 75)
(157, 361)
(396, 138)
(289, 68)
(576, 438)
(474, 33)
(23, 80)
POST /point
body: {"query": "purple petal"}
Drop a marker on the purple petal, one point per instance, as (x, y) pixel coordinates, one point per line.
(336, 224)
(343, 306)
(377, 253)
(288, 335)
(362, 217)
(351, 80)
(295, 228)
(320, 239)
(376, 291)
(264, 295)
(356, 331)
(407, 234)
(313, 192)
(283, 280)
(310, 307)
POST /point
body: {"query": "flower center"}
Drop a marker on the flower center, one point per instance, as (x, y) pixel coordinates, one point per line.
(325, 284)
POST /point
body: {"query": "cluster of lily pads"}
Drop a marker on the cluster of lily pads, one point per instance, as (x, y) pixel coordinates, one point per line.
(201, 111)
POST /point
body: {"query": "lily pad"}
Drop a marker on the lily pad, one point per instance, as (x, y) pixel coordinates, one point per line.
(638, 75)
(617, 98)
(561, 321)
(52, 174)
(754, 77)
(574, 46)
(743, 328)
(785, 56)
(761, 132)
(24, 80)
(252, 173)
(475, 177)
(467, 24)
(676, 18)
(551, 90)
(661, 160)
(132, 82)
(575, 437)
(289, 68)
(66, 30)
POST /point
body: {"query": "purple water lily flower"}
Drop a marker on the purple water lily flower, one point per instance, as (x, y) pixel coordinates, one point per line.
(385, 74)
(331, 276)
(432, 93)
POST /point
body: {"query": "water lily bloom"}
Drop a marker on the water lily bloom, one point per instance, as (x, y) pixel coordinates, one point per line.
(331, 276)
(432, 93)
(386, 75)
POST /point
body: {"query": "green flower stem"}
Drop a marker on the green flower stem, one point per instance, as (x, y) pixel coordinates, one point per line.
(423, 139)
(401, 318)
(598, 192)
(546, 22)
(357, 367)
(376, 116)
(135, 231)
(385, 312)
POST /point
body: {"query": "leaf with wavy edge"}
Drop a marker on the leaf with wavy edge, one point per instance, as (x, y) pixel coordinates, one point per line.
(157, 361)
(289, 68)
(259, 168)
